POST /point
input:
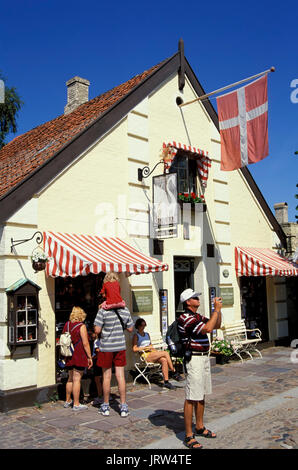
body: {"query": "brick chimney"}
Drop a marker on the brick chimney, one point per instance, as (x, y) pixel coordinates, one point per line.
(281, 212)
(77, 93)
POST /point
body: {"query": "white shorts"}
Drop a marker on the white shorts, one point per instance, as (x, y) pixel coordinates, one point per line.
(198, 378)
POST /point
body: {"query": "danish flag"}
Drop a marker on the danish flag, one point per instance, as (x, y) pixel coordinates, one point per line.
(243, 124)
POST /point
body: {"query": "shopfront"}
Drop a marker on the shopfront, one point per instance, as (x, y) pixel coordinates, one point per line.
(78, 264)
(262, 274)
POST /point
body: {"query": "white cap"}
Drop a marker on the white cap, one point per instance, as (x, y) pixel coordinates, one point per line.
(188, 294)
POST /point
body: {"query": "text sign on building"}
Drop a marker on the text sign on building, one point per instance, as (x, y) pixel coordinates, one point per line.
(142, 301)
(227, 295)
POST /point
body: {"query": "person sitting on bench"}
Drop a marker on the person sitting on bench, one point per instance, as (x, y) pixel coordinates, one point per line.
(141, 342)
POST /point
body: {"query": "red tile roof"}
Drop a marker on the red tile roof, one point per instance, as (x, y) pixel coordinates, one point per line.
(24, 154)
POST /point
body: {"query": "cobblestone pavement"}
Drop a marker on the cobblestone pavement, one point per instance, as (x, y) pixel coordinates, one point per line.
(253, 405)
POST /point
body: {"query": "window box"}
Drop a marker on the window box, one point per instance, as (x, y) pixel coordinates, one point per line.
(193, 200)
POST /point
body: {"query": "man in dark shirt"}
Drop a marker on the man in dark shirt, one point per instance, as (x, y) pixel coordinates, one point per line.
(193, 329)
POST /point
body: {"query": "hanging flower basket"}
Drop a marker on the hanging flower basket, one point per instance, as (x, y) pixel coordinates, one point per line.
(39, 265)
(39, 259)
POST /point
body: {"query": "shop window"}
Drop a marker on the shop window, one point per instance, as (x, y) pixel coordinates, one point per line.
(22, 314)
(186, 169)
(80, 291)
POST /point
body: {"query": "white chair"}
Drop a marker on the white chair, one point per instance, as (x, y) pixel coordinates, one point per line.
(147, 370)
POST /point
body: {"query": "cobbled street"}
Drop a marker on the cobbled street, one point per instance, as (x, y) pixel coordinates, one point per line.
(254, 405)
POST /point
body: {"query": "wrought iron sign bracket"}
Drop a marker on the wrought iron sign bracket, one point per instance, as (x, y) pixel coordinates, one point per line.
(145, 172)
(39, 239)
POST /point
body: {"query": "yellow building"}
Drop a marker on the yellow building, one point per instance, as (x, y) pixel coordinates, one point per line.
(81, 174)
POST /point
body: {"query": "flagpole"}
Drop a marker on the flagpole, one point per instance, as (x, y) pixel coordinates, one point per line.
(272, 69)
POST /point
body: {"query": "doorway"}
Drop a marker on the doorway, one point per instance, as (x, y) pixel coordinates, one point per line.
(183, 279)
(80, 291)
(254, 304)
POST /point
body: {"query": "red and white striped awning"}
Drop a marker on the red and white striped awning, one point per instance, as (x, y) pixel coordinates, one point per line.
(262, 262)
(78, 255)
(203, 161)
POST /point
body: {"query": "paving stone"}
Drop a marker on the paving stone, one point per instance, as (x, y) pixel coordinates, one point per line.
(138, 403)
(143, 413)
(101, 425)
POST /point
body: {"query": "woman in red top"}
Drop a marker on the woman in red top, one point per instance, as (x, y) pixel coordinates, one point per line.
(80, 359)
(112, 292)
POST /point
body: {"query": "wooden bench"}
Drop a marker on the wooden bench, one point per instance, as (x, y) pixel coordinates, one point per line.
(147, 370)
(236, 333)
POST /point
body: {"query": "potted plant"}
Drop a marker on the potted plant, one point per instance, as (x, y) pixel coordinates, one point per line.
(39, 260)
(192, 198)
(222, 349)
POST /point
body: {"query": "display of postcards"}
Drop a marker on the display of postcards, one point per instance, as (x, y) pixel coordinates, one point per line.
(21, 317)
(21, 334)
(31, 301)
(31, 333)
(21, 302)
(32, 317)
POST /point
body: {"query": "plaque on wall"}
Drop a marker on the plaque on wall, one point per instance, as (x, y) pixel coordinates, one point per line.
(227, 295)
(142, 301)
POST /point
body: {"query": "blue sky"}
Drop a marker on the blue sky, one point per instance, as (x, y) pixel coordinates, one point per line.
(44, 43)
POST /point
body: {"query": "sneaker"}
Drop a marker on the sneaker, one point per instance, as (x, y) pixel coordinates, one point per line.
(80, 407)
(104, 409)
(67, 404)
(168, 385)
(123, 410)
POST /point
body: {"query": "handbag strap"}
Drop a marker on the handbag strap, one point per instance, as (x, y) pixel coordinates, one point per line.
(74, 344)
(76, 326)
(119, 316)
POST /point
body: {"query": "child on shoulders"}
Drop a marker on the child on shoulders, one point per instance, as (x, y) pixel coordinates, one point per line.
(112, 292)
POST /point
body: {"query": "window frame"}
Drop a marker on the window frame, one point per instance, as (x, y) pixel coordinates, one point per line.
(191, 174)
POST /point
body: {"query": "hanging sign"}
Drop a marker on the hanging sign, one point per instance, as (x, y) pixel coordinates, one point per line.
(165, 207)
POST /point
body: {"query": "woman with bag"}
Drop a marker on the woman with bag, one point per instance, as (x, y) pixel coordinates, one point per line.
(80, 359)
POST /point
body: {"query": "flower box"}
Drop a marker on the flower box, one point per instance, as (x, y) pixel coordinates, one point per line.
(193, 199)
(220, 358)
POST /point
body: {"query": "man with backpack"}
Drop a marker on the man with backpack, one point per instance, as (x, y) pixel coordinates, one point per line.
(193, 329)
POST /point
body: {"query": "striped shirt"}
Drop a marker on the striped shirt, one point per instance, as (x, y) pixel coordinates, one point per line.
(112, 337)
(189, 326)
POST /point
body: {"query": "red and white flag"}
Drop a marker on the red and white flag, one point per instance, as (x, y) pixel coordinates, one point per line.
(243, 124)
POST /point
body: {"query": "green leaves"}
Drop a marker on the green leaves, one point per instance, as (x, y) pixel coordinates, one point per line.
(8, 112)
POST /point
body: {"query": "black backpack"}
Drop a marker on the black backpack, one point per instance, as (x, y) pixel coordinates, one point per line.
(173, 340)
